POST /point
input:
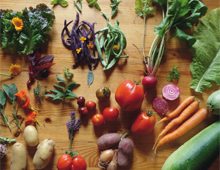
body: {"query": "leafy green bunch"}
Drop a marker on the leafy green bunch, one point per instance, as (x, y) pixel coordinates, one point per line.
(63, 88)
(35, 25)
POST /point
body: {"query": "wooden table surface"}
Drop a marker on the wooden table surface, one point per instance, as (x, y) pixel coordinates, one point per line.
(177, 54)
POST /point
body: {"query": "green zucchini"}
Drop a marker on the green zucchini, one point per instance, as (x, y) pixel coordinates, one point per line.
(198, 152)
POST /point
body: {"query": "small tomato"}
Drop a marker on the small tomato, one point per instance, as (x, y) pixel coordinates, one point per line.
(78, 163)
(110, 113)
(98, 119)
(64, 162)
(144, 124)
(129, 96)
(83, 111)
(91, 106)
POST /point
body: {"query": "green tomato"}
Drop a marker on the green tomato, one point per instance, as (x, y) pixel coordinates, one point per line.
(103, 93)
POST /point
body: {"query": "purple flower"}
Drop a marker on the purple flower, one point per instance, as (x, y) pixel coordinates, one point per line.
(73, 126)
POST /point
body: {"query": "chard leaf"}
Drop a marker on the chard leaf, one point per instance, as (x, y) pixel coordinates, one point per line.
(205, 67)
(10, 90)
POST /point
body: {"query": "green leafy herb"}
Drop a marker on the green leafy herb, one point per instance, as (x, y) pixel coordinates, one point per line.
(10, 90)
(63, 88)
(94, 4)
(178, 15)
(62, 3)
(78, 5)
(174, 74)
(205, 67)
(90, 78)
(32, 32)
(5, 140)
(112, 42)
(114, 6)
(2, 99)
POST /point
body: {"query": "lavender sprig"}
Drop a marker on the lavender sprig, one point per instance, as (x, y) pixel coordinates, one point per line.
(73, 126)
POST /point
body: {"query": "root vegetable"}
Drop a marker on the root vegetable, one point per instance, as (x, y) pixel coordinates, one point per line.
(43, 154)
(178, 110)
(19, 157)
(188, 112)
(171, 92)
(106, 157)
(160, 106)
(113, 164)
(192, 122)
(125, 152)
(108, 141)
(31, 136)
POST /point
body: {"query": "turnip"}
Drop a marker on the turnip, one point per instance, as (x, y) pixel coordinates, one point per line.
(149, 82)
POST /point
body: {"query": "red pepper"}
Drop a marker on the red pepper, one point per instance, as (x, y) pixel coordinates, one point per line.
(31, 118)
(129, 95)
(144, 124)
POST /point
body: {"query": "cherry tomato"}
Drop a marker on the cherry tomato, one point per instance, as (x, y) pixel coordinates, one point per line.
(144, 124)
(83, 111)
(91, 106)
(81, 101)
(110, 113)
(64, 162)
(129, 96)
(98, 119)
(78, 163)
(103, 93)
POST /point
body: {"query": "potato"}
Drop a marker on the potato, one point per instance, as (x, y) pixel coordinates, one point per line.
(125, 152)
(19, 157)
(108, 141)
(31, 136)
(43, 154)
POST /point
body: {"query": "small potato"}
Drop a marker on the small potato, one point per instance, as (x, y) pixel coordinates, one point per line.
(19, 157)
(31, 136)
(43, 154)
(108, 141)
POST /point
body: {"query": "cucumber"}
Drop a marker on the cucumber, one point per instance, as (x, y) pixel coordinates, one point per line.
(198, 152)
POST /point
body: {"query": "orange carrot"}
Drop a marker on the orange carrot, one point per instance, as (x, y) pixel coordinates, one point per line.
(179, 109)
(193, 121)
(173, 124)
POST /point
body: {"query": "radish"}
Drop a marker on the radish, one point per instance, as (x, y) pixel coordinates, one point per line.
(171, 92)
(149, 81)
(160, 106)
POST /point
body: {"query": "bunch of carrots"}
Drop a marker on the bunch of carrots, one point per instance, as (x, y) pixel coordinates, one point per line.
(24, 101)
(184, 118)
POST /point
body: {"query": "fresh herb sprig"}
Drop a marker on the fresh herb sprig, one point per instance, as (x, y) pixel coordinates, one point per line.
(39, 93)
(5, 140)
(114, 7)
(178, 15)
(174, 75)
(63, 88)
(62, 3)
(78, 5)
(94, 4)
(111, 42)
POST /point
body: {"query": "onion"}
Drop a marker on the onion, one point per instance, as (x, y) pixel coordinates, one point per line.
(160, 106)
(171, 92)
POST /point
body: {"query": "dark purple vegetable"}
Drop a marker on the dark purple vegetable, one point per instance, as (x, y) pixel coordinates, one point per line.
(160, 106)
(81, 41)
(125, 152)
(108, 141)
(149, 82)
(39, 67)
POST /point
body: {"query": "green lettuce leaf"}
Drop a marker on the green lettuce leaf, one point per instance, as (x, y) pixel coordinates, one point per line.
(205, 67)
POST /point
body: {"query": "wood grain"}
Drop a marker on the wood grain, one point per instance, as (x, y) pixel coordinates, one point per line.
(85, 141)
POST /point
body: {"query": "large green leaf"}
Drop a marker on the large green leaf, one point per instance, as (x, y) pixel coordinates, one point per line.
(205, 67)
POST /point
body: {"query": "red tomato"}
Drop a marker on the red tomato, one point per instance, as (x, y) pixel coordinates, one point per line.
(144, 124)
(98, 119)
(129, 95)
(91, 106)
(64, 162)
(83, 111)
(110, 113)
(78, 163)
